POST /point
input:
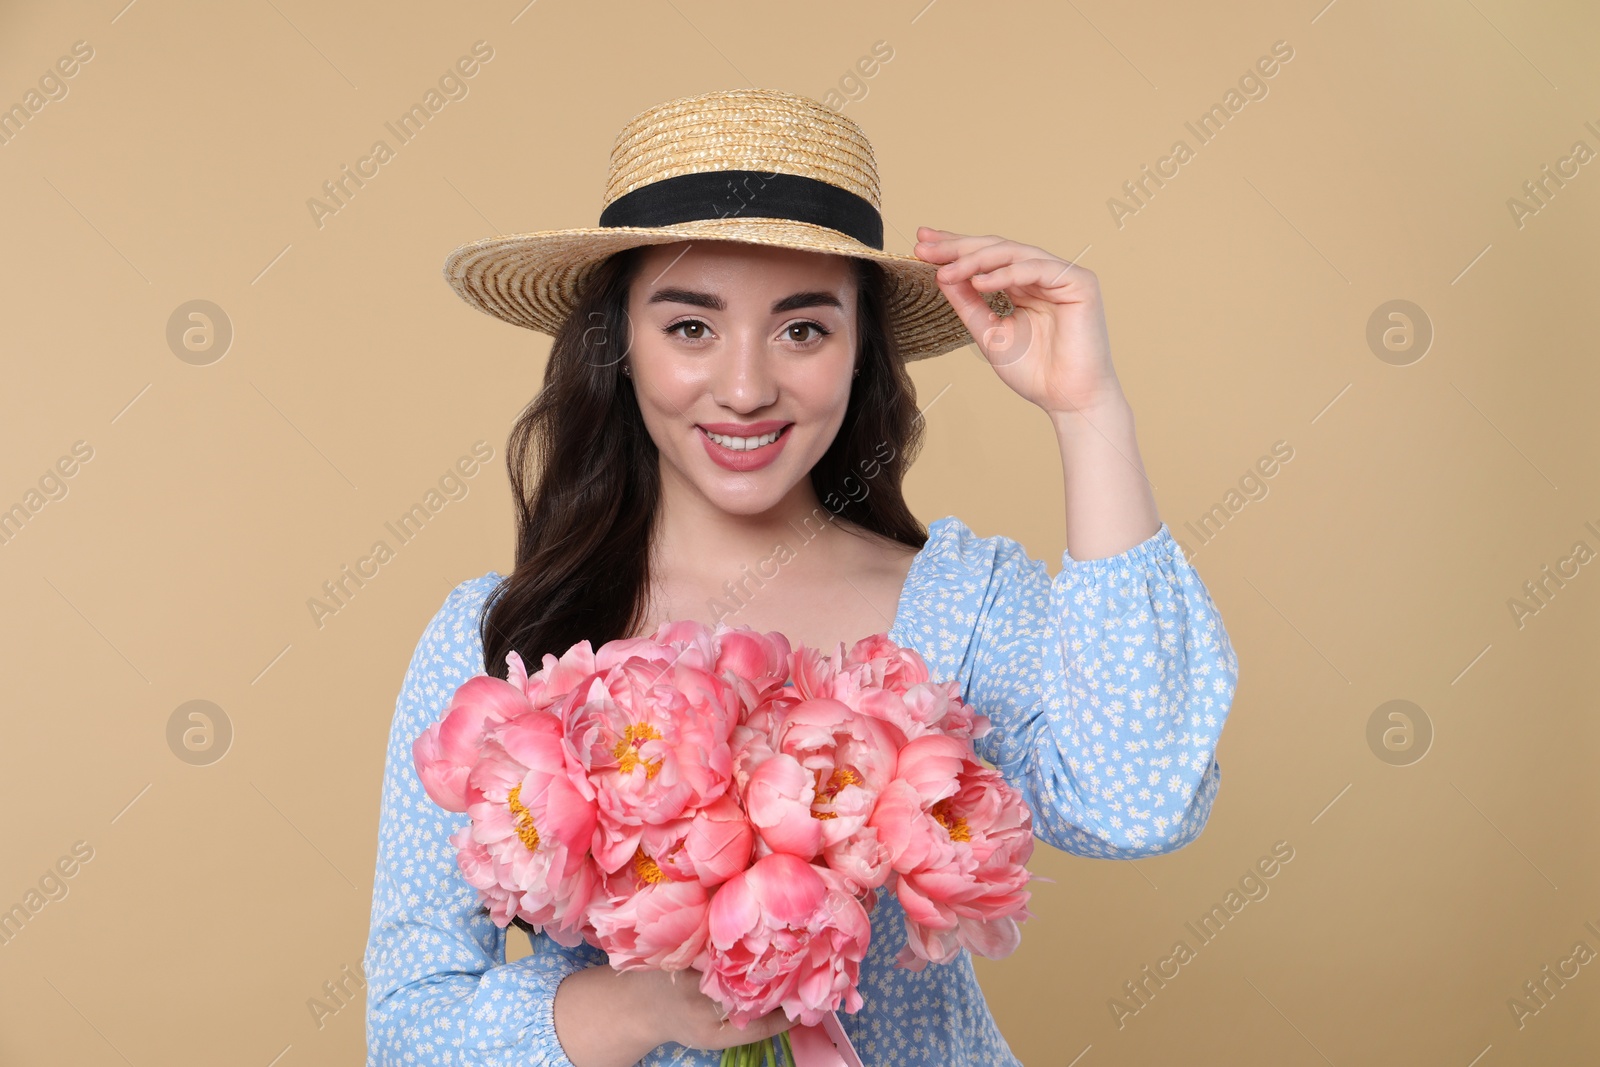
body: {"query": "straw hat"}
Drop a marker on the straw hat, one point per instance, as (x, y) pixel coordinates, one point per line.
(754, 165)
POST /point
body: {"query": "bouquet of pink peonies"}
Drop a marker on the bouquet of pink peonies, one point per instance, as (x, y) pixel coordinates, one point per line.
(713, 799)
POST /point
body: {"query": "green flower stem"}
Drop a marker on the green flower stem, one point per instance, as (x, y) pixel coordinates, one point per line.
(761, 1053)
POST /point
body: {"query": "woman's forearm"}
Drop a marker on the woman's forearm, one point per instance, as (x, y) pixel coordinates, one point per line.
(1110, 507)
(600, 1021)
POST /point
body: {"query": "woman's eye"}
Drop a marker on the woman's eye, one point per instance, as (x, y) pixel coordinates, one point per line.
(801, 327)
(687, 325)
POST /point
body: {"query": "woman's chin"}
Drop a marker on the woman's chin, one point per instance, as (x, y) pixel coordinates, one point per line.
(743, 493)
(746, 501)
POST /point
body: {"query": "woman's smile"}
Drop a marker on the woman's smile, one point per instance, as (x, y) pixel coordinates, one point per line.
(745, 447)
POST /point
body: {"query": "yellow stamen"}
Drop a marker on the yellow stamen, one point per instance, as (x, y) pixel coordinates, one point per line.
(842, 776)
(522, 819)
(627, 749)
(956, 826)
(647, 868)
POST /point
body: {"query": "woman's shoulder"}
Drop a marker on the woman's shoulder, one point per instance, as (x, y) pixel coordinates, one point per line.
(946, 589)
(455, 622)
(949, 576)
(953, 550)
(470, 593)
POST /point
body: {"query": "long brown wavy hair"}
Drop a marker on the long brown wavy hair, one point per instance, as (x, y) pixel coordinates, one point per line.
(586, 479)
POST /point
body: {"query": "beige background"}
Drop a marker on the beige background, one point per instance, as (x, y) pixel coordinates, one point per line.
(1379, 566)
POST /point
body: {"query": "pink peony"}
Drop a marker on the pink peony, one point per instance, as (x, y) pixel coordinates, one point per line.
(708, 846)
(921, 709)
(812, 672)
(445, 753)
(720, 799)
(779, 797)
(958, 837)
(483, 874)
(685, 642)
(851, 759)
(753, 738)
(930, 765)
(862, 861)
(784, 934)
(535, 819)
(556, 678)
(757, 665)
(654, 741)
(646, 919)
(878, 661)
(718, 842)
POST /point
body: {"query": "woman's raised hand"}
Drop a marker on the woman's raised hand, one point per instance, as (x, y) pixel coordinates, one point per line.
(1053, 349)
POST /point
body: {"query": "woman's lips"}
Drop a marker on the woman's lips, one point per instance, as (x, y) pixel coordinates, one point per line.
(746, 460)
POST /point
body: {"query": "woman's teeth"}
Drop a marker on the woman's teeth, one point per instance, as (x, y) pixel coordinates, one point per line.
(743, 444)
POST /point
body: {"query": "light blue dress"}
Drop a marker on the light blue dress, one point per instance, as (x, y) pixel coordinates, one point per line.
(1106, 686)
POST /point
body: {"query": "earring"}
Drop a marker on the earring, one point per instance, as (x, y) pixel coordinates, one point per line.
(626, 372)
(857, 373)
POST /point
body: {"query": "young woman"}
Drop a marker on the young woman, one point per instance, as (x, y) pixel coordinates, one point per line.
(724, 427)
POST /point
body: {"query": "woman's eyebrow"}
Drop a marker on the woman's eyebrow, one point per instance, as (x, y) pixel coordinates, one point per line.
(794, 301)
(816, 298)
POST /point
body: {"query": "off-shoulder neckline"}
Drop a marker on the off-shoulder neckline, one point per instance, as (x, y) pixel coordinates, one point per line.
(1161, 547)
(914, 574)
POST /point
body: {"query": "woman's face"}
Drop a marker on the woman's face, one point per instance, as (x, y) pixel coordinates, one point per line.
(742, 359)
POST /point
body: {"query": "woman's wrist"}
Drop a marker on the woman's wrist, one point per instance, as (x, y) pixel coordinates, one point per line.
(645, 1023)
(604, 1019)
(1111, 405)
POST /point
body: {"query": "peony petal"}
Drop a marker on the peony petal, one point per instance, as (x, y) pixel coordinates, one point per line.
(568, 815)
(779, 797)
(479, 697)
(719, 841)
(444, 782)
(930, 764)
(993, 940)
(789, 888)
(734, 912)
(532, 739)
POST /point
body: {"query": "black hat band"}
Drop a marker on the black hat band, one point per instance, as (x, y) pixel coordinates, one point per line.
(720, 194)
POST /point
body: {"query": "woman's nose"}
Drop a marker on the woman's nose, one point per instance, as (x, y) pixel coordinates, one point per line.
(743, 379)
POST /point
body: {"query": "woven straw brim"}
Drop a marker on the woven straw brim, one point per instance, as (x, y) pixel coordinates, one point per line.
(532, 280)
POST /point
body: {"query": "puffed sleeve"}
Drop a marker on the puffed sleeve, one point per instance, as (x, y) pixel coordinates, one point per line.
(1106, 686)
(439, 989)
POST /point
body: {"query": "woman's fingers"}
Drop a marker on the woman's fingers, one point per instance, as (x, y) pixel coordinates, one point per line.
(945, 246)
(990, 256)
(969, 305)
(705, 1023)
(773, 1023)
(1045, 273)
(964, 243)
(985, 259)
(727, 1035)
